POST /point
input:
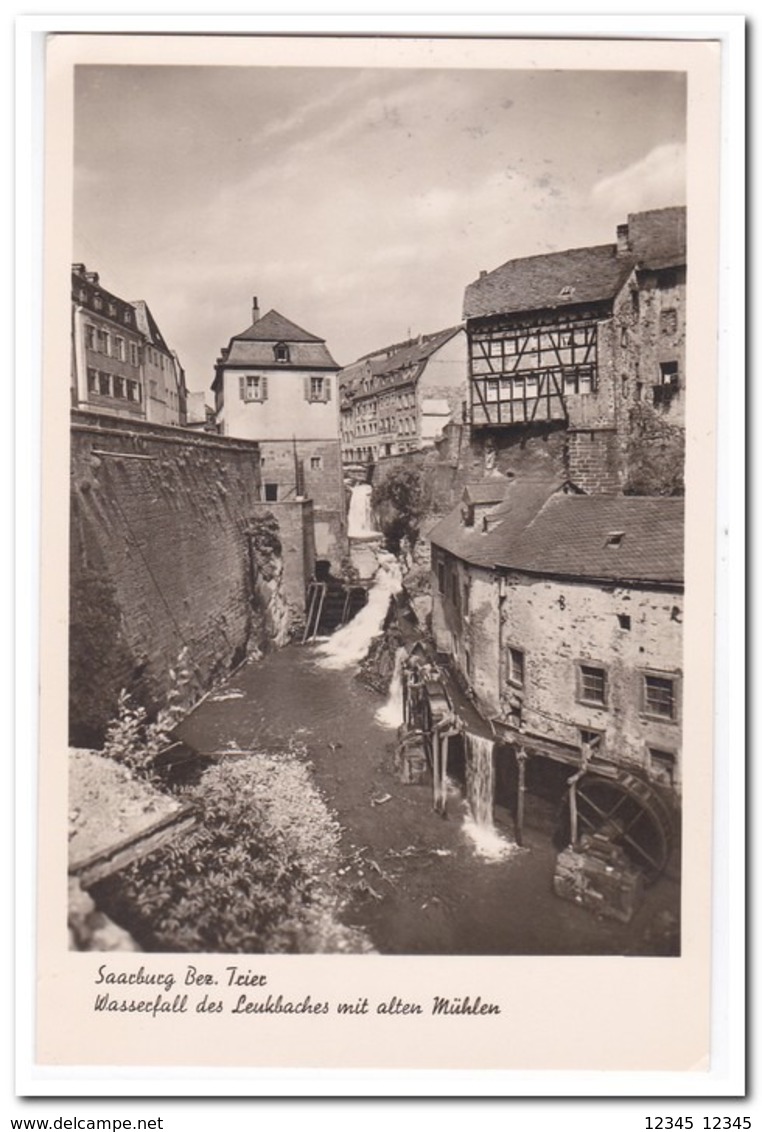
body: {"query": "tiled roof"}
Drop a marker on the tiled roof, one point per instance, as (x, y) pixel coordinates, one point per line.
(561, 279)
(255, 346)
(543, 531)
(655, 239)
(273, 327)
(521, 500)
(409, 354)
(486, 491)
(618, 537)
(147, 324)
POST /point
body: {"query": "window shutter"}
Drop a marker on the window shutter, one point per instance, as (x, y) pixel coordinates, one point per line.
(327, 388)
(242, 387)
(306, 389)
(263, 380)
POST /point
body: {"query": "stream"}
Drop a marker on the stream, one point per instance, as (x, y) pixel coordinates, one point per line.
(418, 883)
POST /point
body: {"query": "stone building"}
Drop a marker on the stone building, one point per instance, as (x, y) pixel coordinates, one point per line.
(399, 399)
(276, 383)
(120, 363)
(163, 376)
(562, 615)
(585, 342)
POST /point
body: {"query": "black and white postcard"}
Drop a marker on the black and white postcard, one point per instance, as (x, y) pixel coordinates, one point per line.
(379, 461)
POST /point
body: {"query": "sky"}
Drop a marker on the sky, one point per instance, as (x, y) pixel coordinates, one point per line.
(359, 203)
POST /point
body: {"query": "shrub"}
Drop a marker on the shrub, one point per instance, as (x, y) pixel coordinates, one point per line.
(401, 501)
(132, 738)
(255, 875)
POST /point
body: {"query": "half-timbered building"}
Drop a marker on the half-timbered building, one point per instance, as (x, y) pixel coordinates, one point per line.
(574, 339)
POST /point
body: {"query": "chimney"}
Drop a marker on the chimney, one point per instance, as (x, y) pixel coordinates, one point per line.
(622, 239)
(254, 309)
(482, 273)
(92, 277)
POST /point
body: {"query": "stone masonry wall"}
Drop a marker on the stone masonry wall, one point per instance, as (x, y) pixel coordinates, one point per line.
(159, 561)
(593, 458)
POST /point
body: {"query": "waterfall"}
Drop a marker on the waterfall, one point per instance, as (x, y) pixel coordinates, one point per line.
(392, 714)
(350, 645)
(360, 514)
(480, 795)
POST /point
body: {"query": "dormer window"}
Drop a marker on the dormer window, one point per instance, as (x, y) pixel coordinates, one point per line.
(566, 292)
(614, 538)
(281, 352)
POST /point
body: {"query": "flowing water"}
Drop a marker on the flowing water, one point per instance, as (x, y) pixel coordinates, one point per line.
(433, 893)
(479, 824)
(360, 513)
(392, 714)
(350, 644)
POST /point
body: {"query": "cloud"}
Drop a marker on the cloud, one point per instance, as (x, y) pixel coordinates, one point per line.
(656, 180)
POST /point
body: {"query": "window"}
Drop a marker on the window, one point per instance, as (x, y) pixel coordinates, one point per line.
(316, 463)
(662, 766)
(119, 348)
(92, 380)
(119, 387)
(253, 387)
(668, 321)
(281, 352)
(128, 318)
(271, 492)
(515, 671)
(104, 384)
(625, 621)
(133, 391)
(102, 339)
(134, 356)
(319, 389)
(90, 337)
(659, 696)
(592, 685)
(592, 740)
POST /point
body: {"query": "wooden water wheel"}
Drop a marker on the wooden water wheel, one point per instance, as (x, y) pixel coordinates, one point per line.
(627, 811)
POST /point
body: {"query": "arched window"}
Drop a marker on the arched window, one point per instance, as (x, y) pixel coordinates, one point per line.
(281, 352)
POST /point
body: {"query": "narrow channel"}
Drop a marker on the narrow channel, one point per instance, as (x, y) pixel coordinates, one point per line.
(418, 882)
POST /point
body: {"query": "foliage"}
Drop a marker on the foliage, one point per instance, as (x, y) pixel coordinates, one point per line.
(256, 874)
(655, 454)
(401, 501)
(132, 738)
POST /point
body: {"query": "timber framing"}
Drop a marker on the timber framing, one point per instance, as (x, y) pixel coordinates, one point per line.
(522, 372)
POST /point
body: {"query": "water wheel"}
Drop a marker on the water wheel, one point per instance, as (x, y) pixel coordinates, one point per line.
(629, 812)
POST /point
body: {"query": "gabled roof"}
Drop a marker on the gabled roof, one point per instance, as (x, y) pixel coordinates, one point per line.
(148, 326)
(408, 354)
(540, 530)
(596, 536)
(520, 501)
(539, 282)
(655, 239)
(255, 346)
(486, 491)
(404, 361)
(273, 327)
